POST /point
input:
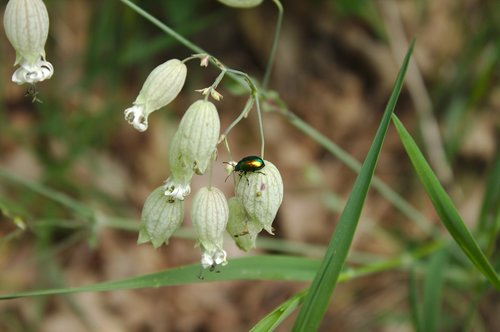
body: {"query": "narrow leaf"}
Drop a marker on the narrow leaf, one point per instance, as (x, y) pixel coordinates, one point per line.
(247, 268)
(432, 291)
(447, 212)
(275, 317)
(316, 301)
(416, 317)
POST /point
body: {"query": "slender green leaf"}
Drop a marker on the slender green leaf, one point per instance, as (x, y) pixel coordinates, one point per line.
(432, 291)
(275, 317)
(266, 267)
(444, 207)
(416, 316)
(247, 268)
(489, 217)
(324, 283)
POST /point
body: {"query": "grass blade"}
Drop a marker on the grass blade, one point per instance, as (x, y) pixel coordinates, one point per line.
(416, 317)
(324, 283)
(489, 217)
(432, 291)
(247, 268)
(275, 317)
(266, 267)
(444, 207)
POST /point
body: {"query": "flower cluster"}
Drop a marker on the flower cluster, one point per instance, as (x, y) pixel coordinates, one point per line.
(26, 24)
(193, 149)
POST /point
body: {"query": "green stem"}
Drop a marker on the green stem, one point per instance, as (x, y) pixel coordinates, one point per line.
(276, 37)
(261, 126)
(172, 33)
(163, 27)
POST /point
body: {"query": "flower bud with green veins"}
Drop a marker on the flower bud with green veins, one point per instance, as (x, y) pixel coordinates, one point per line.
(160, 218)
(196, 139)
(261, 193)
(161, 87)
(26, 24)
(241, 3)
(242, 229)
(178, 185)
(209, 216)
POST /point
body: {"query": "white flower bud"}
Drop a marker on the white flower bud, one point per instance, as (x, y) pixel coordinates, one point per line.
(213, 258)
(175, 189)
(242, 229)
(209, 215)
(26, 24)
(161, 87)
(261, 194)
(195, 142)
(241, 3)
(160, 218)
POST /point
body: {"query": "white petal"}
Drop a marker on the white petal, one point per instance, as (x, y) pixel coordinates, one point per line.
(136, 116)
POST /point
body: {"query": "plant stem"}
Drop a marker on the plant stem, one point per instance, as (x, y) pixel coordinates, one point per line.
(277, 31)
(261, 126)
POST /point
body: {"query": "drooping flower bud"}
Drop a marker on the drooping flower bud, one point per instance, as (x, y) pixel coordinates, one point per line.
(242, 229)
(261, 194)
(160, 218)
(195, 142)
(26, 24)
(161, 87)
(241, 3)
(209, 215)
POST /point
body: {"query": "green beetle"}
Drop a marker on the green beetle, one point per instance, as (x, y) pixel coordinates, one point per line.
(250, 164)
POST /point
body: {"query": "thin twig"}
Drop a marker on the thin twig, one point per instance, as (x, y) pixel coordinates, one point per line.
(272, 55)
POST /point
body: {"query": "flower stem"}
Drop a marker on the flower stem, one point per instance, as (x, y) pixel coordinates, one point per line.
(261, 126)
(276, 37)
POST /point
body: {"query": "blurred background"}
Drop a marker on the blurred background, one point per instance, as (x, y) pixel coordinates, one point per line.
(335, 67)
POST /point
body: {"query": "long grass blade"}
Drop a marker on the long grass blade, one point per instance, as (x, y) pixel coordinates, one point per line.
(266, 267)
(447, 212)
(275, 317)
(489, 216)
(416, 317)
(316, 302)
(247, 268)
(432, 291)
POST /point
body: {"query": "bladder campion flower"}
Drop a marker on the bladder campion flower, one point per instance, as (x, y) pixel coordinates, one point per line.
(193, 147)
(261, 193)
(161, 87)
(209, 215)
(195, 141)
(160, 218)
(242, 229)
(26, 24)
(241, 3)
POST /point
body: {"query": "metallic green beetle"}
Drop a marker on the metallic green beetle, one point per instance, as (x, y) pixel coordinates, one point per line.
(249, 164)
